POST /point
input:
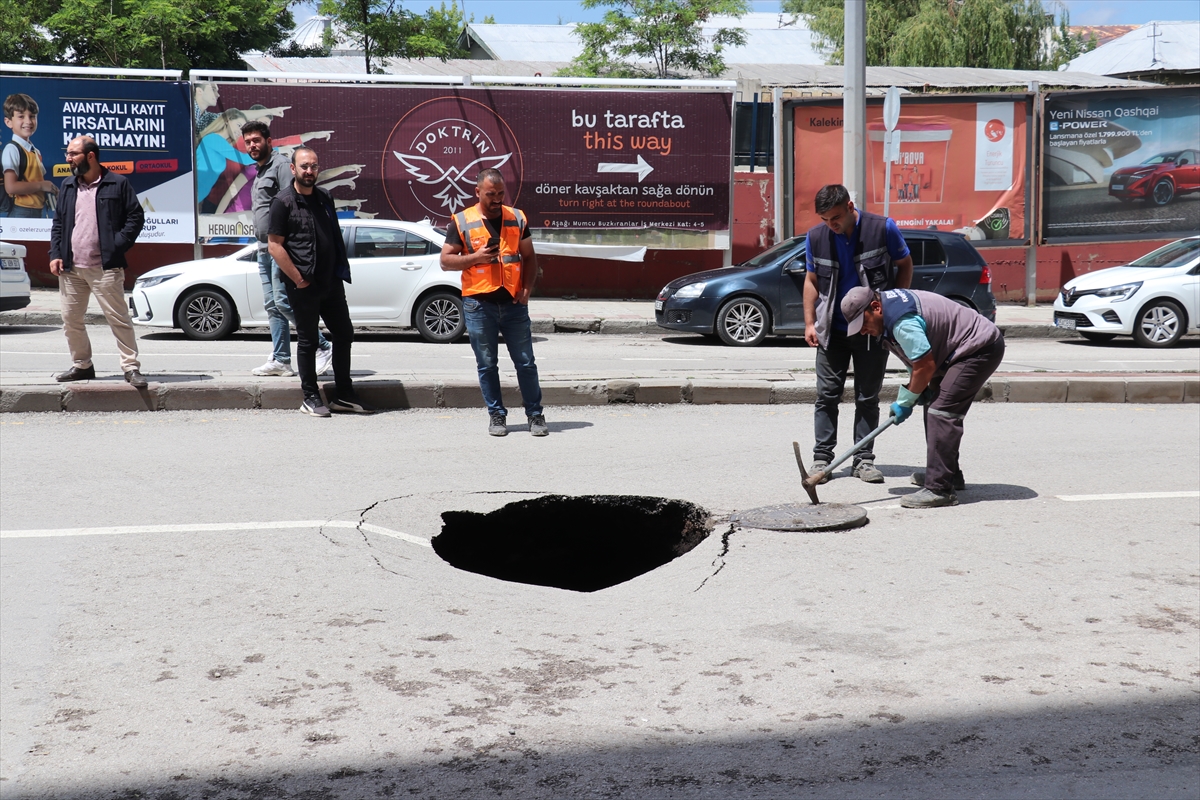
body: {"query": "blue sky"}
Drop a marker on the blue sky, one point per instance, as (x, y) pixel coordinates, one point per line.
(551, 12)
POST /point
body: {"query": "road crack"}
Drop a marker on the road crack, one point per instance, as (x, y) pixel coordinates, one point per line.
(720, 557)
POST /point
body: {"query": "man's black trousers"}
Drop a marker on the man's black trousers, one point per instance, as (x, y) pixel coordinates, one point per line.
(311, 305)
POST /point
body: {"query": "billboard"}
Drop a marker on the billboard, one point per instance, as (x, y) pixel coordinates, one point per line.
(962, 164)
(144, 129)
(1121, 164)
(585, 159)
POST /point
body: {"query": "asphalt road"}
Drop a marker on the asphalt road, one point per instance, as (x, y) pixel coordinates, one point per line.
(32, 354)
(243, 605)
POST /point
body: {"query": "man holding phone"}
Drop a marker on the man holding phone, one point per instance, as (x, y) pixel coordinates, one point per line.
(490, 244)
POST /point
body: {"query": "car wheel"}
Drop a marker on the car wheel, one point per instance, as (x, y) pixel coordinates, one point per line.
(439, 318)
(1159, 324)
(1097, 337)
(742, 322)
(1163, 193)
(963, 302)
(207, 314)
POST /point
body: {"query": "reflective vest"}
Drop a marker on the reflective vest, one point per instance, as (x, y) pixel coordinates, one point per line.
(954, 332)
(872, 261)
(505, 273)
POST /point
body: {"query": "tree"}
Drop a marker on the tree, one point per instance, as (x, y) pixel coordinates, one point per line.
(155, 34)
(997, 34)
(665, 33)
(385, 29)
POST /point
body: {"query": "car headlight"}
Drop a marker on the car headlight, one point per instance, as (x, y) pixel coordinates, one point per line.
(146, 283)
(691, 290)
(1119, 293)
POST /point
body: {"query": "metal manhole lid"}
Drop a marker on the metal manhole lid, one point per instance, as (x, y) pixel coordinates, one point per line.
(802, 517)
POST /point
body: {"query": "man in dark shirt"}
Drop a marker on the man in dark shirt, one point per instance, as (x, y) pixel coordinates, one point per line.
(306, 242)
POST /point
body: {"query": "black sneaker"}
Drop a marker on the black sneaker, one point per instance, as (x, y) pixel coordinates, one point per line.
(538, 426)
(77, 374)
(497, 425)
(350, 405)
(314, 407)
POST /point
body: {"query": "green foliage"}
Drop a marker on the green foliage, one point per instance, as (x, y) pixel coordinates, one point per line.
(385, 29)
(20, 39)
(996, 34)
(664, 33)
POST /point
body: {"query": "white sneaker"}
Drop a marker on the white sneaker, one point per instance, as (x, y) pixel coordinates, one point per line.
(273, 367)
(324, 359)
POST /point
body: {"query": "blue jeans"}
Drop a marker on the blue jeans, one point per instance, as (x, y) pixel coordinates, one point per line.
(279, 310)
(486, 321)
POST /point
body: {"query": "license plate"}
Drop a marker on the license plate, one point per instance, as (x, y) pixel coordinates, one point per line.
(1118, 187)
(658, 304)
(1069, 324)
(10, 263)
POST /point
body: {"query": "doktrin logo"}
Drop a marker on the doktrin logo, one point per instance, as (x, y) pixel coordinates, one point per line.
(437, 150)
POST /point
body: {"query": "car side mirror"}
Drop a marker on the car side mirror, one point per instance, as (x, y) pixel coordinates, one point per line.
(794, 266)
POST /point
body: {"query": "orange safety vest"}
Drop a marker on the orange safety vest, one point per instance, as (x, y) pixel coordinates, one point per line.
(506, 273)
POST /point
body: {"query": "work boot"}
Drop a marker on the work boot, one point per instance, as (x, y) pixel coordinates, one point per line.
(77, 374)
(866, 471)
(538, 426)
(817, 468)
(497, 425)
(957, 482)
(927, 498)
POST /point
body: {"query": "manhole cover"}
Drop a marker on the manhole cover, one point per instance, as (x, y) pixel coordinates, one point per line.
(802, 517)
(578, 543)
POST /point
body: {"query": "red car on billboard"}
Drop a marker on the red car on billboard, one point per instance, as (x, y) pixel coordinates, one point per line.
(1158, 180)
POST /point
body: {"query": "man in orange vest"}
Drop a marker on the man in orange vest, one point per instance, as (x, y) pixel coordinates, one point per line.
(489, 243)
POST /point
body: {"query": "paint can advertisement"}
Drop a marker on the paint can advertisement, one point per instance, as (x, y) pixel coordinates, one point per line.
(143, 129)
(961, 165)
(571, 160)
(1121, 163)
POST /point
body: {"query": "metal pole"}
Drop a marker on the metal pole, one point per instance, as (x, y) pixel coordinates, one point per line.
(854, 105)
(1031, 213)
(753, 130)
(779, 162)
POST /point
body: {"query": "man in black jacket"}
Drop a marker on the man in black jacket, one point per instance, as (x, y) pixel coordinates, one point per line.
(98, 218)
(305, 240)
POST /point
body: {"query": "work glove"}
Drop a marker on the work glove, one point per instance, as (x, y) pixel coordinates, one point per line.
(905, 400)
(901, 413)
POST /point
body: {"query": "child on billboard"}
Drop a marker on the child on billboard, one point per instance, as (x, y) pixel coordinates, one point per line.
(26, 189)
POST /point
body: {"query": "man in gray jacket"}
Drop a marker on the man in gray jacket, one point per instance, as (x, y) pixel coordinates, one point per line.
(274, 172)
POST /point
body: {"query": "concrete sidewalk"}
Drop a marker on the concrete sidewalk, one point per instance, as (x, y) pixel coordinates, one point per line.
(555, 315)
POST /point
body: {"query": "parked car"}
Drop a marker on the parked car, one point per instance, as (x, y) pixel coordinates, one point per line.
(1158, 180)
(397, 282)
(1156, 299)
(14, 280)
(765, 295)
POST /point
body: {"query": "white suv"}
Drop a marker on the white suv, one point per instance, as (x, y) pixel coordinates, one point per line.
(14, 280)
(1156, 299)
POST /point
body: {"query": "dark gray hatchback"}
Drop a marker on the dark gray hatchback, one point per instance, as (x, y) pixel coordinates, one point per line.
(765, 295)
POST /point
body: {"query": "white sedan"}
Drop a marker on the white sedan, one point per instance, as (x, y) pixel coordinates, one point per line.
(397, 282)
(1156, 299)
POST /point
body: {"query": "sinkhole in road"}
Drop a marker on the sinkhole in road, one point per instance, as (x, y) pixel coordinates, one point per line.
(579, 543)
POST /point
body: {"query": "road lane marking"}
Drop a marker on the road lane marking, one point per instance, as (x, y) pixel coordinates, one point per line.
(215, 526)
(662, 359)
(1080, 498)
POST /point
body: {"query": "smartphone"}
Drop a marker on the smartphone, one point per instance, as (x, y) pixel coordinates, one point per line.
(493, 242)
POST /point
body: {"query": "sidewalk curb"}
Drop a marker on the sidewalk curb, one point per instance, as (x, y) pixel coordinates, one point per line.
(394, 395)
(540, 324)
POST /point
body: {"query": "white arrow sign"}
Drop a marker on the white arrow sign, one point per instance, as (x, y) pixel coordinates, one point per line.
(641, 168)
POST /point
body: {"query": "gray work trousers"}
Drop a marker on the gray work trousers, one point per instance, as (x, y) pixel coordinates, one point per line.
(953, 394)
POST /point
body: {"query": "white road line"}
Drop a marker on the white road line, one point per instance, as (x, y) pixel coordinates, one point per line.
(1081, 498)
(215, 526)
(662, 359)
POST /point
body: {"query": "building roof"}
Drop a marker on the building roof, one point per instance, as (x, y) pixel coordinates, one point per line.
(1156, 47)
(311, 33)
(767, 75)
(770, 38)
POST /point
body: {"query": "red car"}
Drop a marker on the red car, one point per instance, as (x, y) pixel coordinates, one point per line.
(1157, 180)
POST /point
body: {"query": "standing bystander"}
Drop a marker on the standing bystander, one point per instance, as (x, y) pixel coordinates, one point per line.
(489, 243)
(274, 171)
(305, 240)
(98, 219)
(849, 248)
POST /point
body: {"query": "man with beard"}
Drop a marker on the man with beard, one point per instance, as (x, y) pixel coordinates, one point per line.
(274, 172)
(97, 220)
(304, 238)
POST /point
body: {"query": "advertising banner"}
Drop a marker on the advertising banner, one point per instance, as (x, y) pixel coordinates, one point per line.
(962, 165)
(1122, 164)
(143, 128)
(571, 159)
